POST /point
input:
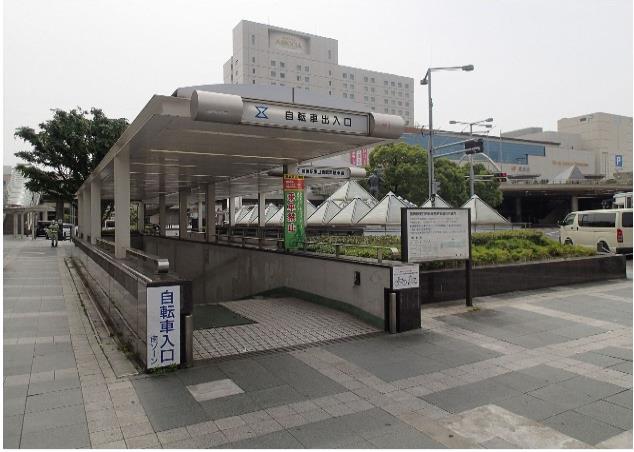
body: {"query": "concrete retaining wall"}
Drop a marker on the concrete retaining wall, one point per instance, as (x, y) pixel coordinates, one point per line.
(223, 272)
(443, 285)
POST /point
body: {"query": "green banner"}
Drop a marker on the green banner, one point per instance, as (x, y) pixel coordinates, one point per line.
(294, 235)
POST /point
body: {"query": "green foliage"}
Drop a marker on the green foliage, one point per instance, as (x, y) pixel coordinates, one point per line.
(66, 149)
(403, 170)
(488, 248)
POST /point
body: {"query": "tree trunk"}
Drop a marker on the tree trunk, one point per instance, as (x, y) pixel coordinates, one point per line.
(59, 209)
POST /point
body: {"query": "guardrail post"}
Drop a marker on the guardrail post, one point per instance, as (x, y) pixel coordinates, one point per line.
(189, 339)
(379, 255)
(337, 249)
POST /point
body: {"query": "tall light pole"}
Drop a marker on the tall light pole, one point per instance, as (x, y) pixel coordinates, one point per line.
(430, 160)
(471, 124)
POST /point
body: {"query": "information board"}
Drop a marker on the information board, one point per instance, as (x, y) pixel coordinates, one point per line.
(405, 277)
(163, 326)
(434, 234)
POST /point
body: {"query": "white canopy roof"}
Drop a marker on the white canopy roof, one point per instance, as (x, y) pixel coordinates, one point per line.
(387, 211)
(324, 213)
(571, 173)
(482, 213)
(242, 214)
(439, 203)
(270, 210)
(352, 190)
(278, 217)
(352, 213)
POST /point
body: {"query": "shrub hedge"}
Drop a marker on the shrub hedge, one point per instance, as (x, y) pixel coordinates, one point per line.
(488, 248)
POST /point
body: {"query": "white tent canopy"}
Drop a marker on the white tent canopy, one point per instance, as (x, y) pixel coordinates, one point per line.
(351, 214)
(439, 203)
(324, 213)
(350, 191)
(278, 217)
(482, 213)
(571, 173)
(270, 210)
(386, 212)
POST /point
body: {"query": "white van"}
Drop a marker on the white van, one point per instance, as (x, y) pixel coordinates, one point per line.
(608, 230)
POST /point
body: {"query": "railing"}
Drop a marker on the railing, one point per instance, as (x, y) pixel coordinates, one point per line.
(340, 249)
(250, 242)
(156, 263)
(105, 245)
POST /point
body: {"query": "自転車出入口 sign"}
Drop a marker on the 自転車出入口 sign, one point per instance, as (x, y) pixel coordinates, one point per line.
(293, 211)
(163, 326)
(432, 234)
(305, 118)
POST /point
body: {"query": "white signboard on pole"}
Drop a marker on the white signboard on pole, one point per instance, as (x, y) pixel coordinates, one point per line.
(435, 234)
(405, 277)
(163, 326)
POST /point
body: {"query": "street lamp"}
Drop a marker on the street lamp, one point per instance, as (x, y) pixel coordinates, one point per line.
(430, 162)
(471, 124)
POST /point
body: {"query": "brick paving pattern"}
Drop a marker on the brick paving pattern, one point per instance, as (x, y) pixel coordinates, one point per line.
(542, 369)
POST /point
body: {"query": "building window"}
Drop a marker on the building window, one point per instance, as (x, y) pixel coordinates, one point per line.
(345, 86)
(282, 64)
(273, 63)
(351, 76)
(351, 95)
(299, 78)
(351, 85)
(365, 98)
(252, 59)
(406, 113)
(385, 91)
(386, 110)
(406, 94)
(273, 83)
(400, 94)
(393, 111)
(345, 95)
(385, 82)
(306, 88)
(372, 80)
(407, 86)
(329, 54)
(372, 108)
(406, 123)
(400, 112)
(387, 102)
(307, 79)
(252, 40)
(253, 71)
(299, 68)
(306, 69)
(399, 102)
(365, 79)
(272, 73)
(365, 88)
(253, 81)
(393, 102)
(372, 89)
(329, 82)
(400, 85)
(371, 99)
(407, 104)
(329, 72)
(282, 75)
(344, 75)
(282, 84)
(392, 83)
(330, 93)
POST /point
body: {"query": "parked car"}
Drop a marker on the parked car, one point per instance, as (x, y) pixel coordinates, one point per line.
(606, 230)
(40, 230)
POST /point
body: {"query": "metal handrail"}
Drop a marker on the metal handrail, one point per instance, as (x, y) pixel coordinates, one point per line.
(159, 264)
(341, 246)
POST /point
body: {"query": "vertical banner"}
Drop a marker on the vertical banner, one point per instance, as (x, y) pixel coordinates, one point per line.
(163, 326)
(293, 211)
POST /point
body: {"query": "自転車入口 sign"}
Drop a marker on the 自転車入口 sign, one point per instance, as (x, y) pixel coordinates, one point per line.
(163, 326)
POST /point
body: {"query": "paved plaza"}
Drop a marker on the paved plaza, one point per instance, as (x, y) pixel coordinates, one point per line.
(543, 369)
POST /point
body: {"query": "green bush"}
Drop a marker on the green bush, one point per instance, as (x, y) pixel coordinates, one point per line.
(488, 248)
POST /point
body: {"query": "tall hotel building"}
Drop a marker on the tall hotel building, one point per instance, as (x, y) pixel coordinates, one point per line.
(265, 55)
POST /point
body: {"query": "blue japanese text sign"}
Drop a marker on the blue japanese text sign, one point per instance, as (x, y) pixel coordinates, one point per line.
(163, 326)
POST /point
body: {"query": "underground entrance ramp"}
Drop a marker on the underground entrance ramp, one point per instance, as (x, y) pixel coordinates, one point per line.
(264, 324)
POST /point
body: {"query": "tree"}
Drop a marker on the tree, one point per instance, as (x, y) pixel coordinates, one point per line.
(403, 170)
(66, 149)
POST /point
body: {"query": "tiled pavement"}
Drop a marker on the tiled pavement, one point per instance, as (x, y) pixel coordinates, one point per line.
(542, 369)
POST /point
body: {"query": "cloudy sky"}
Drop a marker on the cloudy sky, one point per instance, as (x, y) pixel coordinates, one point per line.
(535, 60)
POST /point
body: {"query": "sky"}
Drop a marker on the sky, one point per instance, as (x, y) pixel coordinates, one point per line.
(535, 60)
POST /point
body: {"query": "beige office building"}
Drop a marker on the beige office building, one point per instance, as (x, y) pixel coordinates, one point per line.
(266, 55)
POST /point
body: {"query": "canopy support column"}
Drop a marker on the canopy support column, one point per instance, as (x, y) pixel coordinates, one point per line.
(183, 198)
(122, 202)
(15, 225)
(210, 212)
(232, 213)
(261, 210)
(95, 210)
(140, 221)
